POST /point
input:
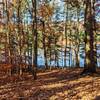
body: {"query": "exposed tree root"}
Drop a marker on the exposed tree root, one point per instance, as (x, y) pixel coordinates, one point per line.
(88, 71)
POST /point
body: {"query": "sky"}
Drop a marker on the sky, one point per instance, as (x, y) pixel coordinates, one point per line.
(60, 15)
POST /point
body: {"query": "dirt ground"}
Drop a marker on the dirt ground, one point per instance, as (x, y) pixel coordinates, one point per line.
(57, 84)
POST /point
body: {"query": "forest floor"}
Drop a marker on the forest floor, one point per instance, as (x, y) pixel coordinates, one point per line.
(58, 84)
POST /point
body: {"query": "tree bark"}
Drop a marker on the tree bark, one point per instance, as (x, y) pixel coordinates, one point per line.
(65, 63)
(89, 40)
(35, 35)
(44, 46)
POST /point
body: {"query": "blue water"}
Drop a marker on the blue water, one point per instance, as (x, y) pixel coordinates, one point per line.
(41, 61)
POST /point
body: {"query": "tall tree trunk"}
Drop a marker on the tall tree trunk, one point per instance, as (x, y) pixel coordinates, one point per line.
(78, 41)
(70, 49)
(34, 4)
(44, 46)
(89, 40)
(19, 34)
(65, 63)
(8, 36)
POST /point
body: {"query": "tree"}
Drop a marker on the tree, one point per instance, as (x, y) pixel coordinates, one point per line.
(35, 35)
(89, 38)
